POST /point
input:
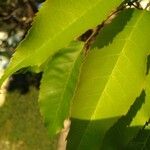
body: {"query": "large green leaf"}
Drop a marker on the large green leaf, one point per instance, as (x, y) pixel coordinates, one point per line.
(57, 23)
(111, 79)
(58, 86)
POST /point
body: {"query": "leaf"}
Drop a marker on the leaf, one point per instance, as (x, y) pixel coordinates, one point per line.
(58, 86)
(111, 79)
(57, 23)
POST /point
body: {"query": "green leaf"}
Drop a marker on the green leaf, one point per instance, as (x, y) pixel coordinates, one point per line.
(57, 23)
(111, 79)
(58, 86)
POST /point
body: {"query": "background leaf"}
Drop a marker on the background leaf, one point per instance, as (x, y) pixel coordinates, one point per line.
(58, 86)
(111, 79)
(57, 23)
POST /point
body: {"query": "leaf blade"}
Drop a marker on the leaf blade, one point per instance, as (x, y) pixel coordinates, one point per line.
(108, 69)
(58, 86)
(65, 21)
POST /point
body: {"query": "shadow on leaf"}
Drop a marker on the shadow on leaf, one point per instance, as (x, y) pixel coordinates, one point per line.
(111, 30)
(118, 136)
(141, 141)
(102, 135)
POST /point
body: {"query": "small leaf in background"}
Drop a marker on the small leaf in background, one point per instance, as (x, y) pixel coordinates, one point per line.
(58, 86)
(57, 23)
(112, 78)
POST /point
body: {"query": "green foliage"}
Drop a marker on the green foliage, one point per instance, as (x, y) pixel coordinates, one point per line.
(57, 23)
(104, 89)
